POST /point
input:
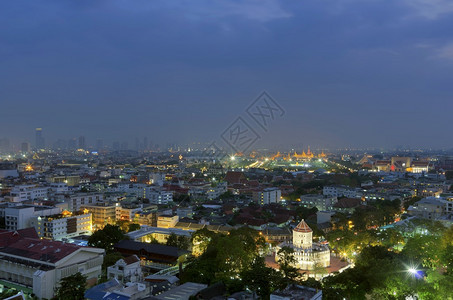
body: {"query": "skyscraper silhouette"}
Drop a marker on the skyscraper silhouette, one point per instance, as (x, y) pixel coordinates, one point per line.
(40, 142)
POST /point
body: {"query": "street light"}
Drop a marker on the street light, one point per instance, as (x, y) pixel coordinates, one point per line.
(412, 271)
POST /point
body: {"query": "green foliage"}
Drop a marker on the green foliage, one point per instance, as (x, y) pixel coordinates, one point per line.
(304, 213)
(380, 273)
(6, 293)
(346, 243)
(178, 241)
(302, 188)
(110, 259)
(225, 257)
(378, 213)
(377, 271)
(127, 226)
(259, 278)
(449, 175)
(201, 239)
(390, 237)
(226, 195)
(133, 227)
(106, 238)
(123, 225)
(424, 249)
(72, 287)
(410, 202)
(286, 261)
(182, 198)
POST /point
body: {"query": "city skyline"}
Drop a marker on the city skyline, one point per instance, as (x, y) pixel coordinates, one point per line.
(147, 144)
(226, 149)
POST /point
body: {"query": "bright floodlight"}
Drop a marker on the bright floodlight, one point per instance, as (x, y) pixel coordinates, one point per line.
(412, 271)
(232, 158)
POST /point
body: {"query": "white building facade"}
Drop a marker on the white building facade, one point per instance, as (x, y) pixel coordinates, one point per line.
(308, 255)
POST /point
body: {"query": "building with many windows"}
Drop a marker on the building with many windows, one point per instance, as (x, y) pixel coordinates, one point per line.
(63, 226)
(167, 221)
(126, 270)
(19, 216)
(342, 191)
(157, 196)
(21, 193)
(431, 208)
(321, 202)
(267, 196)
(77, 201)
(103, 214)
(38, 265)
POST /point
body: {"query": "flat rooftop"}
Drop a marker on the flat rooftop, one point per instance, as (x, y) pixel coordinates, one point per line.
(182, 292)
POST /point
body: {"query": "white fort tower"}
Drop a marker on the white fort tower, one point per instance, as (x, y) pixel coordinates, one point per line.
(308, 255)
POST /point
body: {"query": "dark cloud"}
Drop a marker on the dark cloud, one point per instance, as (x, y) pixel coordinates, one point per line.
(348, 72)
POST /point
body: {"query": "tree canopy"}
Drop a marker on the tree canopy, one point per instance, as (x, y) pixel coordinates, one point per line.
(225, 257)
(106, 238)
(72, 287)
(178, 241)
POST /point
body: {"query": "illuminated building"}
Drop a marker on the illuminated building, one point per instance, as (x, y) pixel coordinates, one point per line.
(308, 255)
(77, 201)
(38, 265)
(126, 270)
(21, 193)
(307, 155)
(267, 196)
(147, 233)
(40, 142)
(62, 226)
(321, 202)
(167, 221)
(70, 180)
(103, 215)
(19, 216)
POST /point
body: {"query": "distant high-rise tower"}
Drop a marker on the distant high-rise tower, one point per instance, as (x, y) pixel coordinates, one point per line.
(40, 142)
(145, 143)
(137, 144)
(82, 144)
(25, 147)
(4, 145)
(72, 144)
(99, 144)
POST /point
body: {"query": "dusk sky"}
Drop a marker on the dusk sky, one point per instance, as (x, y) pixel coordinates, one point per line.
(347, 72)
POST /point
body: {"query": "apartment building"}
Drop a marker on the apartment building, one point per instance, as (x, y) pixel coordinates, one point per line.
(62, 226)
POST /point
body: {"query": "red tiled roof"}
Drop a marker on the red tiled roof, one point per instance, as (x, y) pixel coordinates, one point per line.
(234, 177)
(43, 250)
(347, 203)
(253, 183)
(8, 237)
(281, 218)
(131, 259)
(302, 227)
(250, 221)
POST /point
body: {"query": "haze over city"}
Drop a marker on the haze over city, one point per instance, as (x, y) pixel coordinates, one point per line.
(347, 73)
(226, 149)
